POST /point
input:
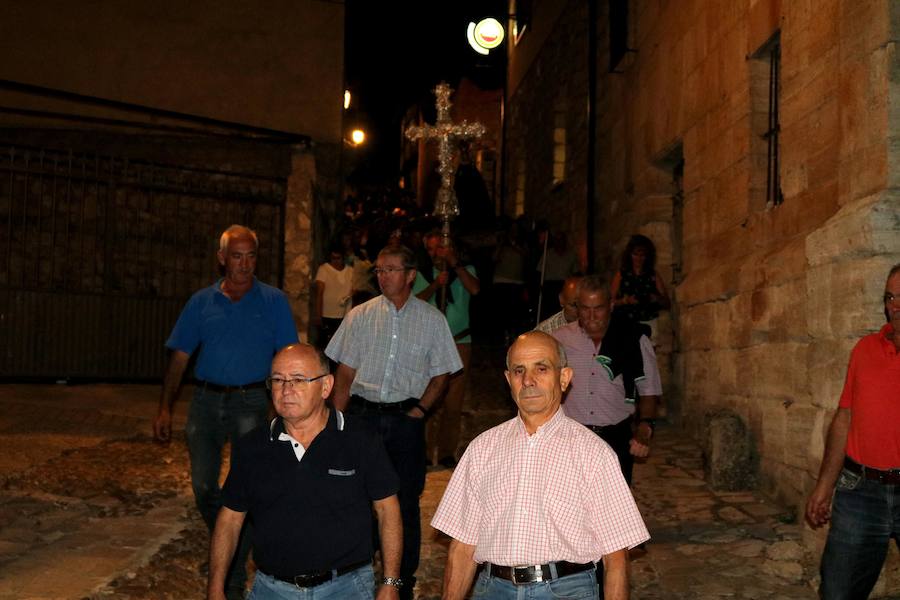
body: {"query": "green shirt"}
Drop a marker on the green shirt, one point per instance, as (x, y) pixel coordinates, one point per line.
(458, 310)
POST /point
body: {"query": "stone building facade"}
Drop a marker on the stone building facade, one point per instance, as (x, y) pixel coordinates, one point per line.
(775, 231)
(131, 137)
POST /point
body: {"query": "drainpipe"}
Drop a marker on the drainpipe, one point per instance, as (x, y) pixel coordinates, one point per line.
(592, 130)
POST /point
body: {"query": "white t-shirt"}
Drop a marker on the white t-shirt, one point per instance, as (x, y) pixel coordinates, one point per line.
(338, 285)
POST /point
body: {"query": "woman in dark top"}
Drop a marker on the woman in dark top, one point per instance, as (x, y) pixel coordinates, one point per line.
(637, 288)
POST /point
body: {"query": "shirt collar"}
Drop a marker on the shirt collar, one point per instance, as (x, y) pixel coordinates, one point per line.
(277, 431)
(886, 342)
(544, 430)
(254, 288)
(392, 307)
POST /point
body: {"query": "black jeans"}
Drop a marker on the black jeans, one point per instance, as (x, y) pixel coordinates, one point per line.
(404, 440)
(619, 436)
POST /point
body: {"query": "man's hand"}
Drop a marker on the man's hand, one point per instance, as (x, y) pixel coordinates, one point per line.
(639, 450)
(162, 426)
(818, 507)
(640, 443)
(441, 279)
(416, 413)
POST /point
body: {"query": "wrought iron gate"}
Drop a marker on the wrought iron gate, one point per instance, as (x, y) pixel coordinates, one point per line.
(99, 253)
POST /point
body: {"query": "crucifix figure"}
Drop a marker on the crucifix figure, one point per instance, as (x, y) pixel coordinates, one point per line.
(445, 132)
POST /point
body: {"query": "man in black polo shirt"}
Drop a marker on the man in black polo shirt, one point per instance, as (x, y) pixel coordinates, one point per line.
(309, 481)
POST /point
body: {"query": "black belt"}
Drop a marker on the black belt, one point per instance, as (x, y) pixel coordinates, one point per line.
(308, 580)
(600, 429)
(224, 389)
(891, 477)
(364, 405)
(534, 573)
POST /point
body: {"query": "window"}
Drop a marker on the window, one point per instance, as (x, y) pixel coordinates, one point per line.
(765, 92)
(618, 32)
(521, 13)
(520, 186)
(559, 147)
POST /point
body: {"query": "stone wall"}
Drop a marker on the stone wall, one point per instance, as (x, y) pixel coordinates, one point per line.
(556, 80)
(276, 64)
(769, 299)
(299, 241)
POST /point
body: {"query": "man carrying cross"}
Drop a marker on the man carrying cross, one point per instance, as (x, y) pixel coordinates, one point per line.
(449, 284)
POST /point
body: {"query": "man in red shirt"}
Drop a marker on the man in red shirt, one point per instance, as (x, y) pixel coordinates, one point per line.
(861, 466)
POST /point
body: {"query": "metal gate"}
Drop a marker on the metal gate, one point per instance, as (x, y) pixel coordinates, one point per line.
(99, 253)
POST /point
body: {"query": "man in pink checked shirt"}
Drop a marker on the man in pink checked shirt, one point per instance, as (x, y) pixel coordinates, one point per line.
(539, 499)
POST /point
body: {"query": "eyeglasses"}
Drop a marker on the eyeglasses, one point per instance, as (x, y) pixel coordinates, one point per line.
(278, 383)
(389, 270)
(889, 298)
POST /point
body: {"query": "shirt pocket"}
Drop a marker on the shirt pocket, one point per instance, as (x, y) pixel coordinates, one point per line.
(342, 485)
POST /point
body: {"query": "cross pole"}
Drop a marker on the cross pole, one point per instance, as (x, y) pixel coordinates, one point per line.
(445, 132)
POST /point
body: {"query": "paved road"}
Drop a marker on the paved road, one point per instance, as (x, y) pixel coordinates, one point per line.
(91, 508)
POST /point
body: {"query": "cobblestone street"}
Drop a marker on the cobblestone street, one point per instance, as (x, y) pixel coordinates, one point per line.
(91, 508)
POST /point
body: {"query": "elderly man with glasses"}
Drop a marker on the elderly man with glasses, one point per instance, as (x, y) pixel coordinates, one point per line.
(310, 480)
(395, 353)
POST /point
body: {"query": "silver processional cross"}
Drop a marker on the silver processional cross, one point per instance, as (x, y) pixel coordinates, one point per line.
(445, 132)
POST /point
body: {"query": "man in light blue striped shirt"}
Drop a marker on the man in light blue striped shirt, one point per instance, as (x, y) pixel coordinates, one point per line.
(395, 355)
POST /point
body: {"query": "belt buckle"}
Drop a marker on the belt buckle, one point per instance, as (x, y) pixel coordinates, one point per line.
(526, 574)
(306, 581)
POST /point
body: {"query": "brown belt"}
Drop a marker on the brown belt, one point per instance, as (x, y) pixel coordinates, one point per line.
(534, 573)
(891, 477)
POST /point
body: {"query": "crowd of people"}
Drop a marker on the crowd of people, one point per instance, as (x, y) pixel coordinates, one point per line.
(540, 502)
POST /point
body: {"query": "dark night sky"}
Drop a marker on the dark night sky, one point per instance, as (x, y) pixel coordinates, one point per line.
(394, 58)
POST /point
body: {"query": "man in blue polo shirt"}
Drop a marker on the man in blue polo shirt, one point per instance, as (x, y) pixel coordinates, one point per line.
(238, 324)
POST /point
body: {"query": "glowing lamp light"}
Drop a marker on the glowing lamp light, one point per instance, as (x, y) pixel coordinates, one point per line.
(484, 36)
(346, 99)
(358, 136)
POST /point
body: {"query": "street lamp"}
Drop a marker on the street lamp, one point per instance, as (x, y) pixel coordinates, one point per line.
(357, 136)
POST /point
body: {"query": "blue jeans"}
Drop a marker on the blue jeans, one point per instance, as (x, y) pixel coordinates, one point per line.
(578, 586)
(358, 584)
(214, 418)
(404, 440)
(864, 516)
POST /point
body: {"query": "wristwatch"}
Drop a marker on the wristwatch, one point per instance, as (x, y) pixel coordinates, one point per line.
(392, 581)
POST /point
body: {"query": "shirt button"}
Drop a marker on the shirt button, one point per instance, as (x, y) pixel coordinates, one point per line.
(296, 445)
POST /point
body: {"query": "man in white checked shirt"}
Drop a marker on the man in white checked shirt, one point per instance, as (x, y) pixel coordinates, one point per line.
(539, 499)
(395, 355)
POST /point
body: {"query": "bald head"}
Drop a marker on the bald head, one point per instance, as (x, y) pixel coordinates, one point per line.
(305, 352)
(568, 296)
(532, 338)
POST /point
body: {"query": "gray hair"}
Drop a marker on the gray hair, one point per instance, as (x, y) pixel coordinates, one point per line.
(560, 349)
(237, 231)
(591, 284)
(406, 255)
